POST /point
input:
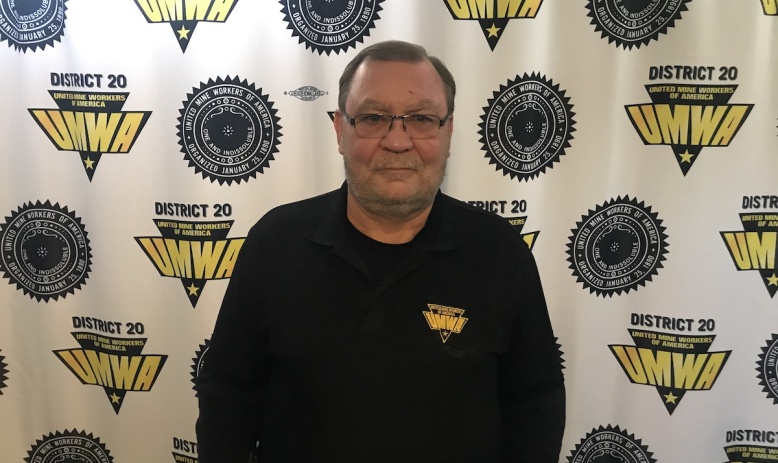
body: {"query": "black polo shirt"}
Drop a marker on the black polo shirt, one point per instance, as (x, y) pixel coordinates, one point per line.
(449, 357)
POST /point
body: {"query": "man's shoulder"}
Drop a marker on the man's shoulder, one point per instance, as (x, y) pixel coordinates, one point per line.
(474, 218)
(298, 213)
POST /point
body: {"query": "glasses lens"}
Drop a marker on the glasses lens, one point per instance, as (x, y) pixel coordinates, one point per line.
(372, 125)
(422, 125)
(378, 125)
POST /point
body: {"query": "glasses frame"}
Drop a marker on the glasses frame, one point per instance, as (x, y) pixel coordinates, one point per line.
(353, 122)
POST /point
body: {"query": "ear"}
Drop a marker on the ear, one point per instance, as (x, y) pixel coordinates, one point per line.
(338, 123)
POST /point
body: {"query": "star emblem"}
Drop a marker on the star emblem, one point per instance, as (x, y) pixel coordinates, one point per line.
(670, 398)
(114, 398)
(493, 31)
(183, 33)
(772, 280)
(89, 163)
(686, 156)
(193, 289)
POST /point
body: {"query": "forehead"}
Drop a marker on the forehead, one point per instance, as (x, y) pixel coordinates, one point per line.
(396, 86)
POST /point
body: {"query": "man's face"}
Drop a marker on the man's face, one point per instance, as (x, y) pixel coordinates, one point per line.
(395, 175)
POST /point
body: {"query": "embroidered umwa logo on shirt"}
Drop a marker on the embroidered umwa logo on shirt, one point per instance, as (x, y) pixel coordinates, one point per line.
(445, 320)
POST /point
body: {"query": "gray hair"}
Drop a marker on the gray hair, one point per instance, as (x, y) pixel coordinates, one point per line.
(396, 50)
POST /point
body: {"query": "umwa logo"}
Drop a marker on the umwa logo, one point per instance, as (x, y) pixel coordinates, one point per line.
(184, 15)
(192, 251)
(689, 117)
(754, 248)
(91, 123)
(445, 320)
(674, 361)
(492, 15)
(114, 363)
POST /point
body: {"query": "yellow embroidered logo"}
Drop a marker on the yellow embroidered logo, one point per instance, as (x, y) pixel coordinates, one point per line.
(445, 320)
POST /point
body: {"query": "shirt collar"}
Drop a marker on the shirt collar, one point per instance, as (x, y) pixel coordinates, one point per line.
(440, 233)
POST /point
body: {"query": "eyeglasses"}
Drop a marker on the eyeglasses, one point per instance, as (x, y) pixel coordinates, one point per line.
(379, 125)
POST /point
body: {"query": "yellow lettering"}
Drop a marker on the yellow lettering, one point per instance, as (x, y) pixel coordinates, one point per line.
(148, 372)
(459, 9)
(220, 10)
(128, 132)
(156, 250)
(658, 371)
(101, 365)
(686, 369)
(704, 120)
(711, 370)
(180, 256)
(673, 124)
(630, 361)
(510, 8)
(645, 121)
(124, 369)
(205, 257)
(53, 124)
(731, 124)
(77, 362)
(100, 129)
(770, 6)
(77, 129)
(228, 261)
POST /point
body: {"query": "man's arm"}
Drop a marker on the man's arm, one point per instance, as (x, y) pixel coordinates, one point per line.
(532, 391)
(229, 385)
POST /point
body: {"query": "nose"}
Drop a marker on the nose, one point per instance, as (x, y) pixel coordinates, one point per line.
(397, 140)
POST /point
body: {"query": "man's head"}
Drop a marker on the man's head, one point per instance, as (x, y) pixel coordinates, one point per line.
(394, 166)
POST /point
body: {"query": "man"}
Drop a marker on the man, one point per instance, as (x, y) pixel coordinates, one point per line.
(384, 321)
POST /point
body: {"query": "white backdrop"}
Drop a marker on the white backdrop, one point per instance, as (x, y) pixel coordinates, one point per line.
(634, 142)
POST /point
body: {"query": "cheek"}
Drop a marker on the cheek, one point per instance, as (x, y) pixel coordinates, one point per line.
(433, 153)
(358, 152)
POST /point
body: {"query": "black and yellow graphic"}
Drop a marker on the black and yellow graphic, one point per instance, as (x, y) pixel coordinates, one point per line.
(228, 130)
(194, 252)
(331, 25)
(68, 446)
(493, 15)
(754, 248)
(688, 118)
(616, 247)
(184, 15)
(32, 24)
(445, 320)
(3, 373)
(91, 123)
(518, 224)
(750, 446)
(198, 362)
(115, 364)
(526, 126)
(634, 23)
(672, 363)
(770, 7)
(767, 366)
(610, 444)
(45, 251)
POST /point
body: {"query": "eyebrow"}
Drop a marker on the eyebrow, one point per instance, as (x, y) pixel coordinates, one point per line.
(424, 104)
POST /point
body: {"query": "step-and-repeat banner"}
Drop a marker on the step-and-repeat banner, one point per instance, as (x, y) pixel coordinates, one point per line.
(633, 143)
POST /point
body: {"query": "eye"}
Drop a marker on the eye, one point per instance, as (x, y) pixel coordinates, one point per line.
(421, 119)
(372, 119)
